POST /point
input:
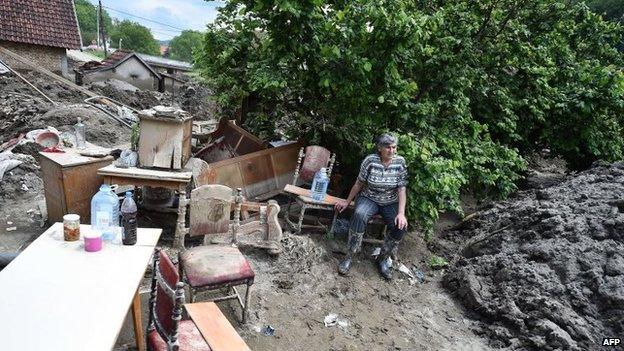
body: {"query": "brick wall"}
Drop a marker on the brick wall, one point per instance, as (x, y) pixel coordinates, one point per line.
(51, 58)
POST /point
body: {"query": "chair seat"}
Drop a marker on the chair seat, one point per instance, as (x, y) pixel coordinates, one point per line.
(189, 339)
(213, 265)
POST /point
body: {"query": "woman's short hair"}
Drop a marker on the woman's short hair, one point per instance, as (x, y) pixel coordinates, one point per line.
(386, 139)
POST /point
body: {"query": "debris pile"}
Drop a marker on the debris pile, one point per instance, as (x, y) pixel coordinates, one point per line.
(546, 270)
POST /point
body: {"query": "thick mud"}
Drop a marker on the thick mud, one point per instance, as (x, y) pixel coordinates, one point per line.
(545, 270)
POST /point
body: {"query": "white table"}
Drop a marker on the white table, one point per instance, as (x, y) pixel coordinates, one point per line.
(56, 296)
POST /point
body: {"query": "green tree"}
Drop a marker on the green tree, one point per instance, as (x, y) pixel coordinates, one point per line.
(135, 37)
(469, 85)
(182, 46)
(613, 10)
(87, 20)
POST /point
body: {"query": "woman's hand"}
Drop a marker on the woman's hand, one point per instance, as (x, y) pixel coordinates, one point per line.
(341, 205)
(400, 221)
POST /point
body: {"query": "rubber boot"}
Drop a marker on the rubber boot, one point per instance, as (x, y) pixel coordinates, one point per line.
(384, 260)
(354, 243)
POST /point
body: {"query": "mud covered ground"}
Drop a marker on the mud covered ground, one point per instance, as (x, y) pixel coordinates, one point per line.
(545, 270)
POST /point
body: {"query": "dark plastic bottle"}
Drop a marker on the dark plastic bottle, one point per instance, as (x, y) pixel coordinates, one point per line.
(129, 220)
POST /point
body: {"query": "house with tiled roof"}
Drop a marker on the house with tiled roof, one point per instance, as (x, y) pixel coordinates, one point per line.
(40, 31)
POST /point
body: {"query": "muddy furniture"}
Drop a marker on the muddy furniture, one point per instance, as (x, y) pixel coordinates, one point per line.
(238, 159)
(214, 327)
(165, 330)
(165, 138)
(57, 296)
(308, 163)
(70, 181)
(153, 178)
(211, 267)
(328, 205)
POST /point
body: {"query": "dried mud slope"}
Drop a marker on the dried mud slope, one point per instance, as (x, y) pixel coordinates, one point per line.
(545, 270)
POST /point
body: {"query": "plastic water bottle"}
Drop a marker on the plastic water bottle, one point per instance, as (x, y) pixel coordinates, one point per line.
(128, 220)
(80, 134)
(105, 212)
(319, 185)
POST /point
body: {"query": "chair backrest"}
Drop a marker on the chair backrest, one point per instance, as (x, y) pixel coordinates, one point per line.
(209, 210)
(166, 299)
(314, 158)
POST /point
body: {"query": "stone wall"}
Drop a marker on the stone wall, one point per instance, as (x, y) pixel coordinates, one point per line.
(48, 57)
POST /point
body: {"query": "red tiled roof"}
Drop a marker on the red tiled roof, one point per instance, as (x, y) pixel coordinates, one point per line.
(41, 22)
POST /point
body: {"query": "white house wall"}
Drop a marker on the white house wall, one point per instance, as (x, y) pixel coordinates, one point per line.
(131, 71)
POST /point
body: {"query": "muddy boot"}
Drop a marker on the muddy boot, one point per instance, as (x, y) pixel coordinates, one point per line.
(385, 267)
(384, 262)
(345, 265)
(355, 241)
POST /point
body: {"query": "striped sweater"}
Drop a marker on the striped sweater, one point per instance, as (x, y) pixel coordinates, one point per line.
(381, 183)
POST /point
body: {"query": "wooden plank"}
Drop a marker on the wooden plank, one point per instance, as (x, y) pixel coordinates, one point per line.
(215, 328)
(306, 193)
(229, 175)
(136, 321)
(264, 152)
(53, 189)
(149, 174)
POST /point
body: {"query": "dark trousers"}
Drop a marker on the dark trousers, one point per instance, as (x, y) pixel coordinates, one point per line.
(364, 209)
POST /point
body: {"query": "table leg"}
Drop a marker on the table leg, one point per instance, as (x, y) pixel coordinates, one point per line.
(136, 318)
(181, 225)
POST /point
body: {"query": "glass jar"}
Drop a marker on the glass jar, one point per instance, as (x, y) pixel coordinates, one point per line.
(71, 227)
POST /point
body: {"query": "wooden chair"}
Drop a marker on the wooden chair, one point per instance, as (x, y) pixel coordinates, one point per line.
(166, 330)
(213, 267)
(309, 162)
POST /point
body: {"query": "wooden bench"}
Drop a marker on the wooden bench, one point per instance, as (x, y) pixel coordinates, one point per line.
(215, 328)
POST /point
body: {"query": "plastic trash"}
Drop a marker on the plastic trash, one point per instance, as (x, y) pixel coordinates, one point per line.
(331, 320)
(268, 330)
(80, 134)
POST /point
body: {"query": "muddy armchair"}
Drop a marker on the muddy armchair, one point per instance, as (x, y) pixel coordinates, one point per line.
(223, 216)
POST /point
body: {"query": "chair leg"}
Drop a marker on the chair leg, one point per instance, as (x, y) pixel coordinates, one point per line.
(246, 307)
(301, 215)
(191, 294)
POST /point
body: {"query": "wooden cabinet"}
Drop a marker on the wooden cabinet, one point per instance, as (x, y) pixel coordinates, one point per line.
(70, 181)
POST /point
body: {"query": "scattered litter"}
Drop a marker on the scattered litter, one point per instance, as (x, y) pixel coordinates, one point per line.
(10, 229)
(376, 252)
(268, 330)
(53, 149)
(420, 275)
(331, 320)
(403, 269)
(24, 187)
(8, 165)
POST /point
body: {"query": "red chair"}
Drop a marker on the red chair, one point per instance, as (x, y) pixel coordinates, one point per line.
(166, 331)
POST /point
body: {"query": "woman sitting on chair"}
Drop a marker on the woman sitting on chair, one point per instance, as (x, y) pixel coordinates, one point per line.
(380, 188)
